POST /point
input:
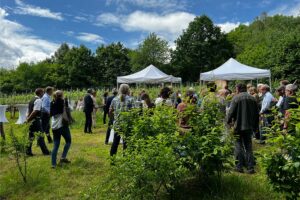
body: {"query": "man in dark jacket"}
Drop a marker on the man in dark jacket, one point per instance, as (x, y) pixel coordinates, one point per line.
(88, 109)
(244, 113)
(34, 118)
(111, 117)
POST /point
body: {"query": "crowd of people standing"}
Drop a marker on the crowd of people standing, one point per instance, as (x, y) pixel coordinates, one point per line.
(248, 110)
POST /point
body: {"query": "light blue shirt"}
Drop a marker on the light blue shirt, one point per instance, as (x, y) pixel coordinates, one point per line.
(266, 103)
(46, 100)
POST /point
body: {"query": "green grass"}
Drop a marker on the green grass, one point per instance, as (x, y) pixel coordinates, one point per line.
(90, 165)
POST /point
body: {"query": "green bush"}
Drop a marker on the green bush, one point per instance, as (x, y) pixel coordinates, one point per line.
(208, 145)
(159, 156)
(17, 148)
(282, 157)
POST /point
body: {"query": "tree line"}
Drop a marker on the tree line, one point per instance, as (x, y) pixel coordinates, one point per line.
(270, 42)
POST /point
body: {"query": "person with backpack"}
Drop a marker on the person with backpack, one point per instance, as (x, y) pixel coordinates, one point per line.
(61, 118)
(34, 118)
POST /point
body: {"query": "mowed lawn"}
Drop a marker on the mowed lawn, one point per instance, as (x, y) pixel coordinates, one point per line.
(90, 165)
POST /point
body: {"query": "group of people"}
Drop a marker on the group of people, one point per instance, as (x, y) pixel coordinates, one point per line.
(248, 110)
(40, 110)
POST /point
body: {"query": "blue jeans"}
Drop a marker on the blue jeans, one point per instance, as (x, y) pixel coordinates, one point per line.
(65, 132)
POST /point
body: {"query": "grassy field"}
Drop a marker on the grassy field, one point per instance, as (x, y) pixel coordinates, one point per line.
(90, 164)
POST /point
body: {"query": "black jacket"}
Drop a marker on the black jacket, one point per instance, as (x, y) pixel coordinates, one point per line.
(108, 103)
(244, 112)
(88, 104)
(57, 107)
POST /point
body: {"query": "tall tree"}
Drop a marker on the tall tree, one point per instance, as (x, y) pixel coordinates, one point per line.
(271, 43)
(60, 53)
(153, 50)
(112, 61)
(200, 48)
(82, 71)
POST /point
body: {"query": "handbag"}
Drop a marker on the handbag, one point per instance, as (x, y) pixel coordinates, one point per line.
(66, 116)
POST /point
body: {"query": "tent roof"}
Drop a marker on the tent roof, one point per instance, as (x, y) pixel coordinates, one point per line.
(233, 70)
(148, 75)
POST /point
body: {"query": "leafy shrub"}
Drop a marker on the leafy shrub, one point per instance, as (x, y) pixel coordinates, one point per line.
(282, 157)
(159, 156)
(17, 148)
(208, 145)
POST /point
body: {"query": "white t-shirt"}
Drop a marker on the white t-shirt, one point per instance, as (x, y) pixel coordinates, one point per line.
(160, 101)
(56, 122)
(37, 104)
(280, 101)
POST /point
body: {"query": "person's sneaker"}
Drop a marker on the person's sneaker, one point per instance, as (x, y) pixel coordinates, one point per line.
(239, 170)
(251, 171)
(53, 166)
(65, 160)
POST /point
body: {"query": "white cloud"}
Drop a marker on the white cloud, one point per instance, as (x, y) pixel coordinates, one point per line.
(90, 37)
(80, 19)
(18, 45)
(107, 18)
(26, 9)
(169, 26)
(292, 9)
(154, 4)
(229, 26)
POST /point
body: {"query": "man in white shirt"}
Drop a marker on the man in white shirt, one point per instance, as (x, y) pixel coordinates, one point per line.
(267, 100)
(265, 111)
(34, 117)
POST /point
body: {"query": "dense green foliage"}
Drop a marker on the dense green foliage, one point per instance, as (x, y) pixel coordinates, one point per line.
(282, 158)
(160, 155)
(201, 47)
(85, 177)
(268, 42)
(113, 61)
(153, 50)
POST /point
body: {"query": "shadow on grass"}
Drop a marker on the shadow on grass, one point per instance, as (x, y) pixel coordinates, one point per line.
(232, 187)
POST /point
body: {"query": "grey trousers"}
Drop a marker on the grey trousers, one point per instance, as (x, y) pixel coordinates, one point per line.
(243, 149)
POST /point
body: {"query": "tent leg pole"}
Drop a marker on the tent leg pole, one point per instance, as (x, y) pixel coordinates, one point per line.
(270, 80)
(200, 85)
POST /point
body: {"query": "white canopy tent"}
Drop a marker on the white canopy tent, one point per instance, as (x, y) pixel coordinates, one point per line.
(148, 75)
(233, 70)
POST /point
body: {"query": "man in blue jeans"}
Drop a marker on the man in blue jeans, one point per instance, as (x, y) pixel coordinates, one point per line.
(244, 114)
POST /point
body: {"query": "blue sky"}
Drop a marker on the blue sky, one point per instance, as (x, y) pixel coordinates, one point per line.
(31, 30)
